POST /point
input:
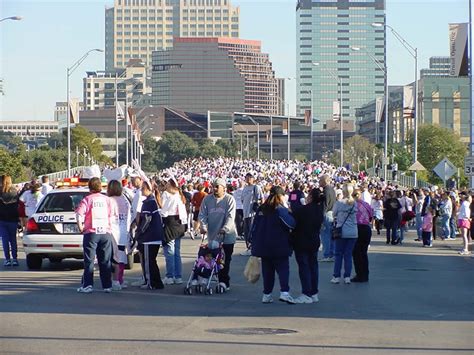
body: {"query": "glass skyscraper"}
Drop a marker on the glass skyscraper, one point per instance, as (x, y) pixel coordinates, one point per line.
(326, 32)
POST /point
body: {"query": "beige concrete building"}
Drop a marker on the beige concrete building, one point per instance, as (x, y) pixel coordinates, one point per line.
(135, 28)
(129, 84)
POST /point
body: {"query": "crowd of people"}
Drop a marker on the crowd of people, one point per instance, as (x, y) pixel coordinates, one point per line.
(277, 208)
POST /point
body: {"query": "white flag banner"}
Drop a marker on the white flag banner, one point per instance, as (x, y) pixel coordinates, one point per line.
(379, 104)
(408, 101)
(458, 35)
(74, 111)
(336, 111)
(120, 111)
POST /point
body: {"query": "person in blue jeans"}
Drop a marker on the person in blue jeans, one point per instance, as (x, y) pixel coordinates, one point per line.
(329, 199)
(8, 220)
(306, 242)
(345, 216)
(271, 242)
(173, 211)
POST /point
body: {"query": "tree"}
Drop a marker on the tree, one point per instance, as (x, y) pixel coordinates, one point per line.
(45, 160)
(208, 149)
(10, 164)
(436, 143)
(174, 146)
(83, 138)
(357, 149)
(402, 156)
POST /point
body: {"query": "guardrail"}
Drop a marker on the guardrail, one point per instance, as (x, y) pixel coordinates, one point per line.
(64, 174)
(402, 179)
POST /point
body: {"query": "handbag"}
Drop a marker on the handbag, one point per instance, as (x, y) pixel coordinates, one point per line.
(252, 269)
(337, 231)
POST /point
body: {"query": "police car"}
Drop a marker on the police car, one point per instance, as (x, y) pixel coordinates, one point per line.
(52, 231)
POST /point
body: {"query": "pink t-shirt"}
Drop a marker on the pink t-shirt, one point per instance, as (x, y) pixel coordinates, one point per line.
(97, 211)
(427, 224)
(364, 213)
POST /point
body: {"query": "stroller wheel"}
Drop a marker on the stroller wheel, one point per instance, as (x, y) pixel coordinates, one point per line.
(188, 291)
(209, 291)
(199, 289)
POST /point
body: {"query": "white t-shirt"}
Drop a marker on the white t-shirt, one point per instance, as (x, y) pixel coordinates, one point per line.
(464, 211)
(31, 201)
(137, 202)
(45, 188)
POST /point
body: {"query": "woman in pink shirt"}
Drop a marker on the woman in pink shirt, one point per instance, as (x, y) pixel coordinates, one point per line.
(364, 217)
(94, 215)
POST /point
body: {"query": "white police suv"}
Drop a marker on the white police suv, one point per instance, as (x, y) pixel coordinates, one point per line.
(52, 231)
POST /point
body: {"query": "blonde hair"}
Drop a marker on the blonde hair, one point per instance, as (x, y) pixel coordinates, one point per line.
(347, 190)
(6, 183)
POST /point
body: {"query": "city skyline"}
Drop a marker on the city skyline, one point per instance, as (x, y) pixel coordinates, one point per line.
(34, 73)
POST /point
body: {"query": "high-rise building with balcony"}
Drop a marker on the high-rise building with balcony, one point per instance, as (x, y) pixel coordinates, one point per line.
(214, 74)
(326, 32)
(135, 28)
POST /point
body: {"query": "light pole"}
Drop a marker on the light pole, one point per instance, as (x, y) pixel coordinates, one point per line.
(70, 70)
(341, 117)
(271, 129)
(258, 133)
(13, 18)
(310, 92)
(414, 53)
(384, 69)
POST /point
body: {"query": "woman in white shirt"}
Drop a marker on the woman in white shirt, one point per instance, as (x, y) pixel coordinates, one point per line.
(464, 221)
(173, 211)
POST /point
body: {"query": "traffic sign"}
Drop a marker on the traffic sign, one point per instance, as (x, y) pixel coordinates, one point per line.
(469, 166)
(445, 169)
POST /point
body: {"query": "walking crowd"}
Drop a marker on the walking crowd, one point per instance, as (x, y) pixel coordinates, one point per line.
(277, 208)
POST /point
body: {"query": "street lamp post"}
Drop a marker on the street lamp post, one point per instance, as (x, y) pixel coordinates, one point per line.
(341, 117)
(414, 53)
(384, 69)
(258, 134)
(70, 70)
(13, 18)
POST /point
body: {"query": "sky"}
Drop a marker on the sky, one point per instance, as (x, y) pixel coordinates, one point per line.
(35, 52)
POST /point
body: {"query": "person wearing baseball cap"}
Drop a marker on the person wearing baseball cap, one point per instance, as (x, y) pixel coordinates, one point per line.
(217, 219)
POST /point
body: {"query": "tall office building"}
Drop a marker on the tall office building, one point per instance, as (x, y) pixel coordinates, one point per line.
(215, 74)
(135, 28)
(326, 32)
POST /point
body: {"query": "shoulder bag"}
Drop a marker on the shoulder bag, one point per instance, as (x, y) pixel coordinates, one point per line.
(337, 231)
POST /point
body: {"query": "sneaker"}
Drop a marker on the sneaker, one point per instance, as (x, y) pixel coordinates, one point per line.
(178, 281)
(168, 281)
(315, 298)
(108, 290)
(124, 284)
(267, 298)
(15, 262)
(145, 287)
(327, 260)
(286, 297)
(303, 299)
(347, 280)
(464, 252)
(223, 285)
(335, 280)
(116, 286)
(7, 263)
(248, 252)
(87, 289)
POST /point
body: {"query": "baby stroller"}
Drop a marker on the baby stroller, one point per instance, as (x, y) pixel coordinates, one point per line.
(205, 269)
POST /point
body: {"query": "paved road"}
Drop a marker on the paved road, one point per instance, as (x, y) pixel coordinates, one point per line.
(418, 300)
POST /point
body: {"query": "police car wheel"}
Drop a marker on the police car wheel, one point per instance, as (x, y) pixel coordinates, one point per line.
(34, 261)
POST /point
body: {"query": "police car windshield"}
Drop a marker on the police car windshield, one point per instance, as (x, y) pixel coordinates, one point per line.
(61, 202)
